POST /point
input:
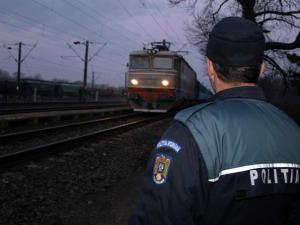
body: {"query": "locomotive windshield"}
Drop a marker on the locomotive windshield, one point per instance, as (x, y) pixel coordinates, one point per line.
(139, 62)
(162, 63)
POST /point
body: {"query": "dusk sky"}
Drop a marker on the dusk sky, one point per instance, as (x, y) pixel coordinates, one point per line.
(123, 25)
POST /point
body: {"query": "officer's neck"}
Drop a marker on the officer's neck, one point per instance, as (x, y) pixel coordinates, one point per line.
(221, 85)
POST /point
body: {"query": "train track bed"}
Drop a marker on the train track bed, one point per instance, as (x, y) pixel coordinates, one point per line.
(7, 121)
(49, 191)
(62, 101)
(44, 120)
(92, 183)
(56, 106)
(31, 139)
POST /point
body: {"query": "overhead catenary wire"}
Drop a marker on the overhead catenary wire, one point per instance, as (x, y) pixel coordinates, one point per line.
(59, 46)
(106, 24)
(63, 67)
(155, 20)
(64, 17)
(16, 26)
(166, 21)
(72, 5)
(35, 22)
(97, 52)
(5, 58)
(19, 62)
(22, 28)
(114, 56)
(95, 18)
(135, 20)
(11, 55)
(67, 18)
(28, 53)
(107, 59)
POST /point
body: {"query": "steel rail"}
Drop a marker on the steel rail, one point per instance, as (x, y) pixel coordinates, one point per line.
(24, 134)
(11, 159)
(100, 101)
(12, 110)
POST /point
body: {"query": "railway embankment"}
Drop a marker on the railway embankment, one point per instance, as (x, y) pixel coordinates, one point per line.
(52, 190)
(97, 182)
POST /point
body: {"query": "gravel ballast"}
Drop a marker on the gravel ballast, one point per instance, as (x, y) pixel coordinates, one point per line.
(82, 185)
(46, 137)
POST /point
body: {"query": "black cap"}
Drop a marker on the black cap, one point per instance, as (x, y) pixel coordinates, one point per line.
(236, 41)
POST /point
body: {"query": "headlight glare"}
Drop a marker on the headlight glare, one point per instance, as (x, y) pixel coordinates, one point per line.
(165, 82)
(134, 81)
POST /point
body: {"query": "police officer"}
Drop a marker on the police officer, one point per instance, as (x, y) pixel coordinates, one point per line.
(233, 160)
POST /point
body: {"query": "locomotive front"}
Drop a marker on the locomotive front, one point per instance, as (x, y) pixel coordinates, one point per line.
(151, 80)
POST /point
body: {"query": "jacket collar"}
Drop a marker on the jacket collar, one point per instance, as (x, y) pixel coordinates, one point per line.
(252, 92)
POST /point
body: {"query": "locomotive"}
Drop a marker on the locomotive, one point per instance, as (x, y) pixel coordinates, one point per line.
(159, 79)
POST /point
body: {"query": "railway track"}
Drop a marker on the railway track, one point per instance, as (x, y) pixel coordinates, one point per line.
(29, 133)
(9, 159)
(46, 107)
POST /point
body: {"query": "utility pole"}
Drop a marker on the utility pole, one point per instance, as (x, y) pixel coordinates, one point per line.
(19, 61)
(95, 77)
(19, 65)
(93, 86)
(93, 80)
(86, 59)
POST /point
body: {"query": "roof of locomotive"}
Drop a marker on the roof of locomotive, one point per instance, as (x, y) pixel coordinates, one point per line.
(163, 53)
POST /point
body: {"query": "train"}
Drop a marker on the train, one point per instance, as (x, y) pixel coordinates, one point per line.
(158, 80)
(50, 90)
(45, 89)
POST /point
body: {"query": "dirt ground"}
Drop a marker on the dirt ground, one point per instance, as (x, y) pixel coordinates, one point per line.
(96, 185)
(115, 207)
(112, 208)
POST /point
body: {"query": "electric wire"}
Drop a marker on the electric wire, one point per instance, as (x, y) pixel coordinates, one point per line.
(105, 24)
(35, 22)
(18, 27)
(72, 5)
(97, 19)
(39, 29)
(67, 18)
(166, 21)
(90, 30)
(135, 20)
(22, 28)
(155, 20)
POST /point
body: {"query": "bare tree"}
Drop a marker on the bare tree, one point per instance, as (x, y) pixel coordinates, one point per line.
(279, 19)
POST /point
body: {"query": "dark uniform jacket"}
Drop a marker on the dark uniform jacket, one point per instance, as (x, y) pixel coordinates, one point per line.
(234, 160)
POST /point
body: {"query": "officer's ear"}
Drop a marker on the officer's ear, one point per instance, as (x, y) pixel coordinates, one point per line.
(262, 69)
(210, 69)
(212, 75)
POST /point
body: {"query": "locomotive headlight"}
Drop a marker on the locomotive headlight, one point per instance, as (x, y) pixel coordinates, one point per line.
(165, 82)
(134, 81)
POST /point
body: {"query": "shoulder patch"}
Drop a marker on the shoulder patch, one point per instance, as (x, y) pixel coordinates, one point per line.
(161, 168)
(168, 144)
